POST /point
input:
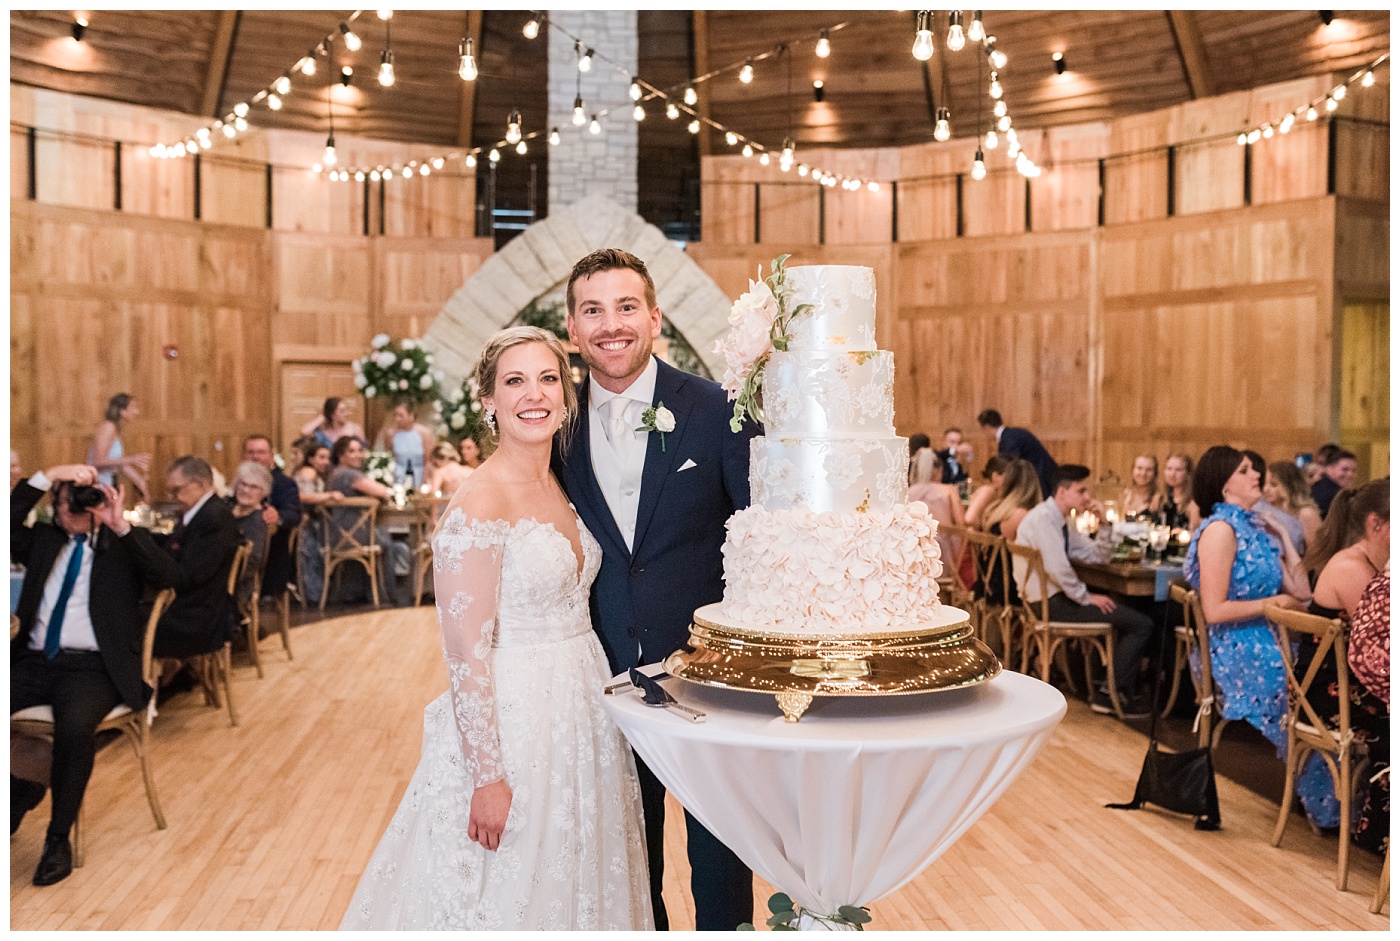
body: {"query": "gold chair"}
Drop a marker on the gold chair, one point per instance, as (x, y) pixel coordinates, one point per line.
(217, 667)
(37, 722)
(343, 544)
(1047, 637)
(1307, 731)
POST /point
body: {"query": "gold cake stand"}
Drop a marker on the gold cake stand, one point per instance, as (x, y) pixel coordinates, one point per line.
(796, 668)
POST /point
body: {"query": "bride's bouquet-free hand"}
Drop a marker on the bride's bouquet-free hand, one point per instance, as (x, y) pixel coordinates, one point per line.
(760, 322)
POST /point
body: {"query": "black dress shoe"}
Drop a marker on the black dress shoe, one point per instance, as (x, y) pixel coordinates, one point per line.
(57, 862)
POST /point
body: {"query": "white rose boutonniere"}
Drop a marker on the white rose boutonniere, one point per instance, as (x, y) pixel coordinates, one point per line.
(659, 420)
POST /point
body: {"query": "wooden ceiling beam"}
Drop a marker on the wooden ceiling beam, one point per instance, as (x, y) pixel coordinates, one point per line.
(1189, 46)
(216, 76)
(466, 114)
(700, 30)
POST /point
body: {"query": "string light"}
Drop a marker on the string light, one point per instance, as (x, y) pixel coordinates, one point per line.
(308, 64)
(467, 67)
(994, 89)
(998, 57)
(241, 109)
(941, 129)
(764, 159)
(531, 29)
(1286, 124)
(1312, 113)
(979, 166)
(1004, 123)
(352, 41)
(746, 73)
(594, 127)
(1331, 104)
(438, 163)
(359, 176)
(873, 186)
(513, 127)
(521, 148)
(731, 138)
(691, 98)
(956, 38)
(748, 150)
(384, 14)
(1368, 79)
(494, 156)
(273, 102)
(386, 68)
(470, 161)
(554, 137)
(693, 127)
(976, 32)
(923, 38)
(328, 157)
(634, 91)
(999, 108)
(579, 117)
(585, 61)
(639, 113)
(672, 111)
(991, 141)
(824, 44)
(375, 175)
(241, 124)
(283, 85)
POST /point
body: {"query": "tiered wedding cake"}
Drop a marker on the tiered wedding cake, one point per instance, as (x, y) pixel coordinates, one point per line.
(830, 544)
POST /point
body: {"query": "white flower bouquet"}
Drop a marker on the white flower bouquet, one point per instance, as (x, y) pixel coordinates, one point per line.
(398, 370)
(459, 412)
(379, 467)
(759, 324)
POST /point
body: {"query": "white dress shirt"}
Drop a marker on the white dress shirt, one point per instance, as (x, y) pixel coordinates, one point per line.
(618, 459)
(1044, 528)
(77, 632)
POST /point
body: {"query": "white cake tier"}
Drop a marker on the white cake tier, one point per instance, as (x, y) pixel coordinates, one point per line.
(799, 572)
(838, 475)
(823, 394)
(843, 308)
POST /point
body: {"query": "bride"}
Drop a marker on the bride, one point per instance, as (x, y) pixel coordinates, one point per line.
(524, 812)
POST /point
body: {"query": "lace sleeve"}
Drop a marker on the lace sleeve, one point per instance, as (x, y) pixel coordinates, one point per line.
(467, 580)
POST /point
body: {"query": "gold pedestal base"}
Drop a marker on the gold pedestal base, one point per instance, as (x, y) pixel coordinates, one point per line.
(796, 669)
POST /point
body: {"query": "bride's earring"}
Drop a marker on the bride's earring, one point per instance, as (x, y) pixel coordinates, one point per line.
(491, 419)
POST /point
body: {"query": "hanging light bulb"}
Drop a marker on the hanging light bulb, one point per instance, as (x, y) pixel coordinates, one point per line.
(824, 44)
(1268, 131)
(494, 156)
(386, 68)
(359, 176)
(274, 101)
(746, 73)
(1242, 139)
(748, 150)
(554, 137)
(308, 64)
(672, 111)
(202, 133)
(283, 85)
(1004, 123)
(594, 127)
(1011, 135)
(241, 109)
(388, 173)
(346, 73)
(994, 89)
(467, 66)
(579, 118)
(1312, 113)
(1339, 92)
(513, 127)
(585, 61)
(975, 30)
(328, 157)
(1012, 148)
(179, 149)
(693, 127)
(998, 58)
(979, 167)
(531, 29)
(375, 175)
(941, 128)
(316, 168)
(731, 138)
(352, 41)
(1286, 124)
(241, 124)
(787, 148)
(229, 131)
(438, 163)
(873, 186)
(1368, 79)
(991, 142)
(470, 161)
(1254, 136)
(384, 14)
(408, 171)
(764, 159)
(956, 38)
(639, 113)
(802, 170)
(520, 148)
(690, 96)
(999, 108)
(923, 38)
(634, 91)
(1331, 104)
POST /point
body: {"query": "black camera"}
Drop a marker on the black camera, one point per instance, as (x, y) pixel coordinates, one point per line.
(82, 499)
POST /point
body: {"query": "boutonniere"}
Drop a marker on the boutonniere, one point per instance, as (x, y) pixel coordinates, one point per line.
(659, 420)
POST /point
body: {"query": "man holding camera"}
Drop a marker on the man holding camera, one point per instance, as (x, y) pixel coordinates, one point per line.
(78, 649)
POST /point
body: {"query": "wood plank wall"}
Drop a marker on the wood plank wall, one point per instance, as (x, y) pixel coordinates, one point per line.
(110, 289)
(1192, 316)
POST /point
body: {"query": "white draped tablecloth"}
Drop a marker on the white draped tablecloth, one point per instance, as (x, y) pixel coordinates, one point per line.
(848, 805)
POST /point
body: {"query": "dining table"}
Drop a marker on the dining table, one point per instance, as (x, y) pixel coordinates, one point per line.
(1141, 579)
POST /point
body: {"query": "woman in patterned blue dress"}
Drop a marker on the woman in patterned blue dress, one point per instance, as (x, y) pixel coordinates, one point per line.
(1236, 567)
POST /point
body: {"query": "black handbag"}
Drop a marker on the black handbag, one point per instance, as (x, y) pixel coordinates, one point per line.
(1183, 782)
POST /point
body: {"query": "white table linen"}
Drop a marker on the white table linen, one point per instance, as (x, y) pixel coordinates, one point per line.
(848, 805)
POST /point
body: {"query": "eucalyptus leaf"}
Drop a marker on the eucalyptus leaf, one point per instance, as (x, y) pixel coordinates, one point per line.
(854, 915)
(779, 902)
(746, 926)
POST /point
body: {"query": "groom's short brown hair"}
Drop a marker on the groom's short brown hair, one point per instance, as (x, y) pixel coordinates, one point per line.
(609, 259)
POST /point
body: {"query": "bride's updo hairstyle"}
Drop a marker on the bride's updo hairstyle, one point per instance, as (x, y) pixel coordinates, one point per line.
(486, 366)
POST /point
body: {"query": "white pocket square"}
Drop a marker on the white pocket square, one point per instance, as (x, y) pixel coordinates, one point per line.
(686, 466)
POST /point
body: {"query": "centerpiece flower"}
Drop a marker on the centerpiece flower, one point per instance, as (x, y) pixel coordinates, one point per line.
(459, 412)
(399, 370)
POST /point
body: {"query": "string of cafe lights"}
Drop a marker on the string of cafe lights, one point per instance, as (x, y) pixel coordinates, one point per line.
(1329, 102)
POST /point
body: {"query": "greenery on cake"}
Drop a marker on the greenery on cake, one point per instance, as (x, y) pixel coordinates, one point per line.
(760, 322)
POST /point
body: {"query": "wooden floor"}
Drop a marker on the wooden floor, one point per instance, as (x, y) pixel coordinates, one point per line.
(271, 823)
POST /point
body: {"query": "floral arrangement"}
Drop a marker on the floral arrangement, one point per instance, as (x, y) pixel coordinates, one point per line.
(759, 324)
(847, 917)
(459, 412)
(399, 370)
(379, 467)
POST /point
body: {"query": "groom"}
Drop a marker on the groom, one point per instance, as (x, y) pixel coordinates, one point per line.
(657, 501)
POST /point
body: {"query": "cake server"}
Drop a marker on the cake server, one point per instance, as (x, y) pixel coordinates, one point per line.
(653, 694)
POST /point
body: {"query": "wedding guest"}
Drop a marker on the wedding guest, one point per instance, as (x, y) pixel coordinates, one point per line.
(944, 505)
(1237, 569)
(348, 479)
(954, 469)
(78, 648)
(1290, 527)
(1368, 654)
(981, 498)
(281, 512)
(1338, 474)
(965, 455)
(1142, 496)
(251, 485)
(1360, 524)
(335, 422)
(410, 441)
(1285, 488)
(446, 472)
(1018, 494)
(310, 479)
(1047, 529)
(16, 468)
(1022, 443)
(106, 451)
(1179, 511)
(916, 441)
(470, 451)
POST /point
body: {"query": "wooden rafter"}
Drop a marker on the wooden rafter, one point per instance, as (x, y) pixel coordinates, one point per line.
(700, 29)
(219, 49)
(468, 89)
(1192, 51)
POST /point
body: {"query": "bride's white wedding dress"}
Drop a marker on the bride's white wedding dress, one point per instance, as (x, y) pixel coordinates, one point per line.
(526, 675)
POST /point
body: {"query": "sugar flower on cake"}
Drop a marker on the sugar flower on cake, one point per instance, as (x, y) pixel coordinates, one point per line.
(759, 323)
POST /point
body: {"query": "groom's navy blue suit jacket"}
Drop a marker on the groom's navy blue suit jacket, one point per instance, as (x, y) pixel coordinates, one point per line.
(646, 597)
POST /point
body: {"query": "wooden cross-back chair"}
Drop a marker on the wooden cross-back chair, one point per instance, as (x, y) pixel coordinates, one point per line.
(37, 722)
(1044, 637)
(343, 543)
(1193, 634)
(1309, 732)
(216, 667)
(991, 579)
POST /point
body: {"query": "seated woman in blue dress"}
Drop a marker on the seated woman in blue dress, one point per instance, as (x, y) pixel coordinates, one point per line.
(1237, 569)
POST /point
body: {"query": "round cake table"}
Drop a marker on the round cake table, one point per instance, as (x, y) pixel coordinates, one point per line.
(848, 805)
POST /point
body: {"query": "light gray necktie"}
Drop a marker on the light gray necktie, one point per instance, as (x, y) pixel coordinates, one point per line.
(616, 427)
